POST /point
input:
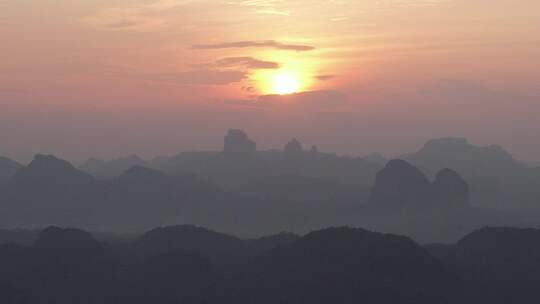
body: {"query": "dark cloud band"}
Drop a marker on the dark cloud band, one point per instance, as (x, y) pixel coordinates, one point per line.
(248, 62)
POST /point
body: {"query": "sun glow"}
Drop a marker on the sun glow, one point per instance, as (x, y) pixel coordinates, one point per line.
(285, 83)
(294, 75)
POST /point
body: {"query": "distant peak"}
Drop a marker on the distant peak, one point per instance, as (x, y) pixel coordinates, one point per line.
(8, 168)
(400, 185)
(50, 162)
(56, 238)
(293, 147)
(10, 161)
(398, 164)
(450, 189)
(236, 132)
(456, 152)
(237, 142)
(45, 157)
(446, 174)
(51, 170)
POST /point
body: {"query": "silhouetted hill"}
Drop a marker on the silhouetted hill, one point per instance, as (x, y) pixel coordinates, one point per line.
(403, 201)
(496, 179)
(240, 164)
(62, 266)
(67, 266)
(8, 168)
(222, 249)
(66, 240)
(400, 186)
(143, 176)
(260, 192)
(450, 190)
(501, 254)
(110, 169)
(218, 247)
(49, 170)
(459, 154)
(349, 266)
(184, 264)
(52, 191)
(293, 148)
(238, 143)
(501, 263)
(49, 191)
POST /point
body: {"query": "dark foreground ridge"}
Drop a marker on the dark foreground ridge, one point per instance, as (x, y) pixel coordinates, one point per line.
(188, 264)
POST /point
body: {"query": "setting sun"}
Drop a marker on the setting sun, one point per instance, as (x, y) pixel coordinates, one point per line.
(285, 83)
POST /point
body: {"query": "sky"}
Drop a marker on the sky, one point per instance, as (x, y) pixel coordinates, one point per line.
(107, 78)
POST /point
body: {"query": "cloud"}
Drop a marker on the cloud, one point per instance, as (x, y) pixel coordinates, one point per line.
(255, 44)
(198, 77)
(139, 17)
(124, 19)
(124, 24)
(325, 77)
(247, 62)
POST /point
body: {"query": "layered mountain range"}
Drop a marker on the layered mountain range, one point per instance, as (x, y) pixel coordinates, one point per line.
(439, 193)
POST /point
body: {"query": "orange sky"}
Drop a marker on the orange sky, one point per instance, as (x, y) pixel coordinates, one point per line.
(111, 77)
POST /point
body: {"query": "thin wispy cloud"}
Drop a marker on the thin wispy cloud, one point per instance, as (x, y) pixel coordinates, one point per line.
(139, 17)
(325, 77)
(247, 62)
(255, 44)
